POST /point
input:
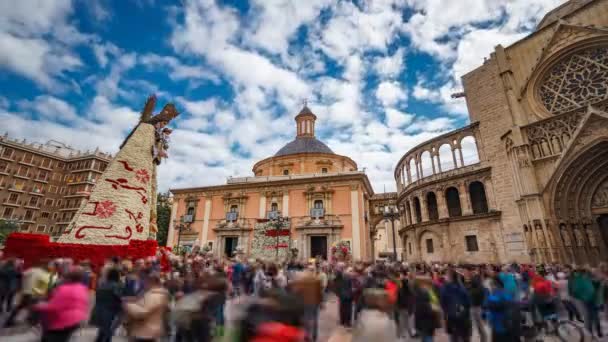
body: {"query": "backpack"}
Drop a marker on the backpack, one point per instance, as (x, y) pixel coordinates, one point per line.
(458, 309)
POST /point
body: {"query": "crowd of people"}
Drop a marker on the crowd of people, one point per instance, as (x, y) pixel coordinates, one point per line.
(377, 301)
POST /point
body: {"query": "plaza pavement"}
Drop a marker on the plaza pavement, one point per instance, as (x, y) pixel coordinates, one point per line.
(328, 328)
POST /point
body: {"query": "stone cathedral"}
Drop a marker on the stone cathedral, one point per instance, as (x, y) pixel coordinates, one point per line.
(527, 180)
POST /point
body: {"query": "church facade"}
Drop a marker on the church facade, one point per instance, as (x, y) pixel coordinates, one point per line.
(527, 180)
(304, 198)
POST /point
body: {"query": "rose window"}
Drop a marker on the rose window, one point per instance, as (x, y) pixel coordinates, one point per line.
(575, 81)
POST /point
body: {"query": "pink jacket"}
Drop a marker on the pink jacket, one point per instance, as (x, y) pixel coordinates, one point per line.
(67, 307)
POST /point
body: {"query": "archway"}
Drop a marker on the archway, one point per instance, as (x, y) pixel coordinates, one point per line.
(452, 199)
(431, 204)
(477, 193)
(417, 210)
(580, 202)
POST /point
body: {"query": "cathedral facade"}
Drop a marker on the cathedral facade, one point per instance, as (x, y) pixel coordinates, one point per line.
(527, 180)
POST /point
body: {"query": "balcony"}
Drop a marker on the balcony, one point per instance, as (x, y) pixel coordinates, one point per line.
(187, 218)
(11, 203)
(317, 213)
(23, 176)
(328, 221)
(273, 214)
(232, 216)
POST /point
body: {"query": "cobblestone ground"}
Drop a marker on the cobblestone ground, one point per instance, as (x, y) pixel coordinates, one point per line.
(328, 328)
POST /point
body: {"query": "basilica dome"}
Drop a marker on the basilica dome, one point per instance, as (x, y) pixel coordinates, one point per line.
(304, 145)
(305, 154)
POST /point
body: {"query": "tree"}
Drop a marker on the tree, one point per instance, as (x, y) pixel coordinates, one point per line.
(163, 218)
(6, 227)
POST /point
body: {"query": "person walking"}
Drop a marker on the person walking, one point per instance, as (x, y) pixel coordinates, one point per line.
(456, 305)
(477, 292)
(34, 287)
(108, 305)
(344, 290)
(66, 309)
(502, 313)
(145, 315)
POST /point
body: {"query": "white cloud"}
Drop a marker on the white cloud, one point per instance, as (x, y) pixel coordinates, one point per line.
(396, 118)
(179, 70)
(198, 108)
(36, 39)
(390, 92)
(390, 66)
(102, 52)
(51, 108)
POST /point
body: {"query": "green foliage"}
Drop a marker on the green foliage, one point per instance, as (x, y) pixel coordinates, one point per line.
(163, 217)
(6, 227)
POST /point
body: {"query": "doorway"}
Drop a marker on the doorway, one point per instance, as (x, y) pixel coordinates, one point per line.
(318, 247)
(230, 244)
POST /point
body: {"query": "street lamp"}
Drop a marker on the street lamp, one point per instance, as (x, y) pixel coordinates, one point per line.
(277, 221)
(390, 214)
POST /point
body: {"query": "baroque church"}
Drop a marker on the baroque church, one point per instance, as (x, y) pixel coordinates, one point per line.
(526, 180)
(536, 188)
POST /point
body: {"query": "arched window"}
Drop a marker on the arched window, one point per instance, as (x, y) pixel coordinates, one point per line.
(478, 197)
(431, 204)
(426, 164)
(446, 157)
(417, 210)
(190, 211)
(453, 201)
(413, 170)
(469, 151)
(318, 204)
(234, 208)
(274, 207)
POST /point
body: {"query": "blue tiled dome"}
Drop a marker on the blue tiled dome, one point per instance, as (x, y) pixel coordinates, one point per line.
(304, 145)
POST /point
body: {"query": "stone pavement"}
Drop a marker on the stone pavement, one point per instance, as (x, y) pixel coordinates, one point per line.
(328, 327)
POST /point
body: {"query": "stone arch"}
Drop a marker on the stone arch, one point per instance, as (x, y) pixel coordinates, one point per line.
(431, 205)
(577, 182)
(417, 209)
(446, 157)
(452, 200)
(426, 164)
(468, 146)
(413, 170)
(477, 194)
(408, 212)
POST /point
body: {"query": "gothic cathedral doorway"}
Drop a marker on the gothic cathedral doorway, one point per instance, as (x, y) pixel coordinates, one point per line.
(230, 244)
(318, 247)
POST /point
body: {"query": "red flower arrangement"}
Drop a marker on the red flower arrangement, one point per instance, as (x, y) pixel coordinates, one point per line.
(34, 247)
(142, 176)
(340, 251)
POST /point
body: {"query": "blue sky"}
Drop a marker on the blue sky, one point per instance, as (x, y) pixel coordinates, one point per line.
(378, 74)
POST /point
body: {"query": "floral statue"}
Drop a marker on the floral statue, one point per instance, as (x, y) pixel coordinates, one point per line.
(340, 251)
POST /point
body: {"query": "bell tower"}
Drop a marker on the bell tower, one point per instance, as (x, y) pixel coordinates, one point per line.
(305, 121)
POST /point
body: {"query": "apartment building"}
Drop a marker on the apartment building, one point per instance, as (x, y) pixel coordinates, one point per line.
(42, 185)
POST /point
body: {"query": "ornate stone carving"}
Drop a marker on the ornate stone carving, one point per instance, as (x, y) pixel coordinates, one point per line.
(549, 137)
(600, 197)
(576, 81)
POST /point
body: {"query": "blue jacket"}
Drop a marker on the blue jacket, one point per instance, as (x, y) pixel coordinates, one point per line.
(453, 294)
(497, 303)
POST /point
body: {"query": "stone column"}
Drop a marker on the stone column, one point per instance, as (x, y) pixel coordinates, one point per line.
(413, 212)
(171, 233)
(262, 209)
(442, 207)
(286, 203)
(465, 199)
(423, 208)
(206, 215)
(355, 226)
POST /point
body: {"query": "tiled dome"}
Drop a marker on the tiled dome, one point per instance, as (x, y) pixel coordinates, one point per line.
(304, 145)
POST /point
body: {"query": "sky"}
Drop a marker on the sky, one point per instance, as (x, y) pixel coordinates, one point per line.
(378, 74)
